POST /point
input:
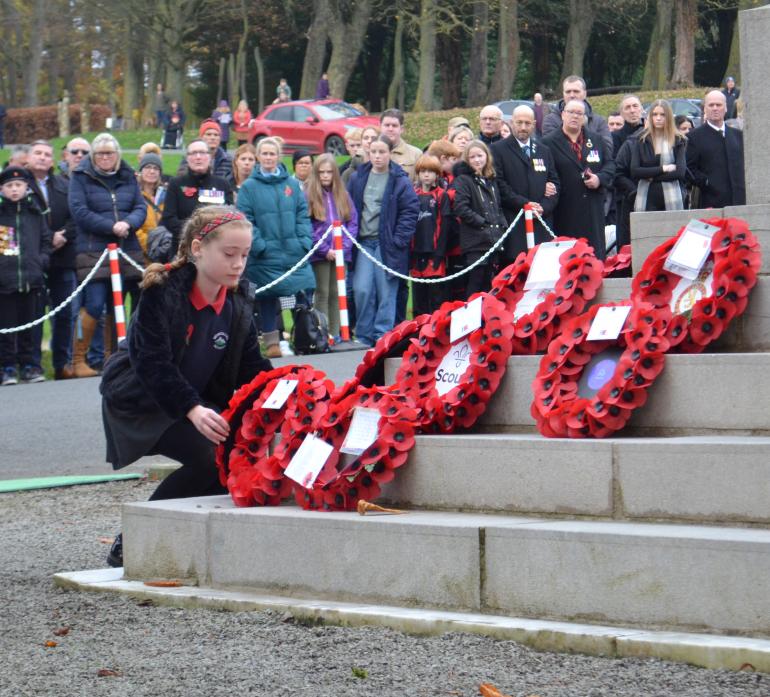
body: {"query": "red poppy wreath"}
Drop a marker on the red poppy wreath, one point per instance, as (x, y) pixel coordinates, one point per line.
(452, 382)
(539, 312)
(618, 262)
(252, 477)
(346, 479)
(392, 344)
(590, 388)
(703, 307)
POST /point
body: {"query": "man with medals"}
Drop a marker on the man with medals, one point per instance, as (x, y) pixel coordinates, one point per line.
(585, 169)
(525, 175)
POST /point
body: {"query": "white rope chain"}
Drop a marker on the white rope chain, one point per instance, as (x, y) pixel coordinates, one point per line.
(64, 303)
(442, 279)
(136, 265)
(544, 224)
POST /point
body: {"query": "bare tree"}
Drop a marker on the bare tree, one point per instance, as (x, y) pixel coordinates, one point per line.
(477, 70)
(315, 53)
(424, 99)
(347, 31)
(582, 14)
(657, 70)
(686, 26)
(507, 51)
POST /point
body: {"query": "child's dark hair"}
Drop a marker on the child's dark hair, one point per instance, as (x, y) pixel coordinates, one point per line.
(384, 139)
(205, 224)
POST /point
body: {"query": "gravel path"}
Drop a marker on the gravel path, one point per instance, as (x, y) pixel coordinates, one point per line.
(161, 651)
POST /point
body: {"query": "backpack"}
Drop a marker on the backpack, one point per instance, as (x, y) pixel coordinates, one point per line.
(310, 333)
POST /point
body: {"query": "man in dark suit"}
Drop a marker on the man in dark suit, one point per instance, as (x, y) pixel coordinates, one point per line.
(586, 170)
(715, 157)
(525, 174)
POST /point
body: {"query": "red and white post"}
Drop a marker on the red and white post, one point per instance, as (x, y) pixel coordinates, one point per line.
(117, 292)
(342, 292)
(529, 226)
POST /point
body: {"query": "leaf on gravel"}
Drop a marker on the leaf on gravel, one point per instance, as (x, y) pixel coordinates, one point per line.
(106, 540)
(163, 584)
(359, 672)
(50, 644)
(747, 666)
(108, 673)
(147, 602)
(489, 690)
(62, 631)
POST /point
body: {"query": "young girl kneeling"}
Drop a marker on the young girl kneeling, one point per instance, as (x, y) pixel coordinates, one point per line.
(191, 343)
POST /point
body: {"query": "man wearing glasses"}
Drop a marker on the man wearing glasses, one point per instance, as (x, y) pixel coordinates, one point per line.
(490, 123)
(198, 186)
(586, 169)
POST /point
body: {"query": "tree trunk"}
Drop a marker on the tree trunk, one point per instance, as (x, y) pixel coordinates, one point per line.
(477, 70)
(686, 26)
(347, 32)
(232, 82)
(260, 80)
(374, 52)
(315, 53)
(221, 78)
(133, 75)
(507, 52)
(154, 77)
(239, 89)
(397, 82)
(541, 61)
(449, 58)
(581, 20)
(32, 67)
(657, 69)
(427, 71)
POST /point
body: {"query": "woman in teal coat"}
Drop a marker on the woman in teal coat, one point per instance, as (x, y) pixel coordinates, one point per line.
(281, 235)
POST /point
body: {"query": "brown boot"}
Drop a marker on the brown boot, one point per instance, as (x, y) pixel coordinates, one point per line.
(80, 368)
(64, 373)
(272, 345)
(110, 336)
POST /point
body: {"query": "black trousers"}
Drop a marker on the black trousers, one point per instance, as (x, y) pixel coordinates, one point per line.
(479, 278)
(427, 297)
(17, 309)
(198, 475)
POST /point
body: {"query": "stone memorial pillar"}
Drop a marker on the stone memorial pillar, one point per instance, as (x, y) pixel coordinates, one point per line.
(754, 26)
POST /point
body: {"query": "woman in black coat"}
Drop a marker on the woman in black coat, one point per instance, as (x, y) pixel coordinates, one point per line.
(479, 211)
(658, 162)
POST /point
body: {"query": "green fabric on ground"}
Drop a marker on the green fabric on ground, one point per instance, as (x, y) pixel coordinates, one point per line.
(53, 482)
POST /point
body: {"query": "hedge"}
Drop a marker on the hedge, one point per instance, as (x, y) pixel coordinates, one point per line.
(41, 122)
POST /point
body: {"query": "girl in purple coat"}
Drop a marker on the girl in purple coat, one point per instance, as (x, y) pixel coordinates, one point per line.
(327, 201)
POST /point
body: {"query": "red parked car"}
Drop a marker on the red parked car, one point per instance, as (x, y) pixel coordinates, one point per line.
(317, 125)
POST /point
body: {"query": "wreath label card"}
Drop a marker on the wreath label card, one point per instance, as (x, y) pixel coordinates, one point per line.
(362, 432)
(465, 319)
(545, 269)
(308, 461)
(453, 367)
(691, 250)
(608, 323)
(529, 301)
(280, 394)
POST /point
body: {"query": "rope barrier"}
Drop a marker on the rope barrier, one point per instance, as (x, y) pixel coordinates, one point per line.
(136, 265)
(64, 303)
(443, 279)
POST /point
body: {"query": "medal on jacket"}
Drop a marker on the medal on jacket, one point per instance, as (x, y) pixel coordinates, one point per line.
(538, 164)
(589, 144)
(593, 156)
(211, 196)
(9, 247)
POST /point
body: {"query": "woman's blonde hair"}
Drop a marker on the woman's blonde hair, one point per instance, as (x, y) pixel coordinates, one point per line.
(149, 147)
(275, 141)
(158, 273)
(315, 192)
(488, 172)
(246, 147)
(670, 133)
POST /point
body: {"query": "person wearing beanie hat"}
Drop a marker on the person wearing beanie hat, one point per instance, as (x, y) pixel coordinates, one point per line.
(154, 194)
(223, 117)
(25, 246)
(221, 162)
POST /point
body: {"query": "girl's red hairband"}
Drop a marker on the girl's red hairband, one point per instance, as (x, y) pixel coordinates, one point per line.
(228, 217)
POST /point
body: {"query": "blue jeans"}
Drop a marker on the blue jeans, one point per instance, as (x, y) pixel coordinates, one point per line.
(96, 298)
(375, 291)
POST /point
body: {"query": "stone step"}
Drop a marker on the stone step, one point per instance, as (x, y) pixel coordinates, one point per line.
(674, 576)
(695, 394)
(648, 230)
(718, 479)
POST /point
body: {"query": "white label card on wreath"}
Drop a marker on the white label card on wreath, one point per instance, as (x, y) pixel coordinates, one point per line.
(211, 196)
(465, 319)
(608, 323)
(691, 250)
(529, 301)
(362, 432)
(280, 394)
(308, 461)
(544, 272)
(453, 367)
